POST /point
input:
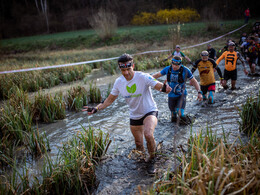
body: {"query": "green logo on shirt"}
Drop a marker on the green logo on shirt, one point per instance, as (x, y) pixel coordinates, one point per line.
(131, 89)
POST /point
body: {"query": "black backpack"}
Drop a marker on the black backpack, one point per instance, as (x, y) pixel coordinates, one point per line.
(180, 77)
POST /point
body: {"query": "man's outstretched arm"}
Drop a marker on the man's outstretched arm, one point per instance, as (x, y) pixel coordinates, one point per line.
(110, 99)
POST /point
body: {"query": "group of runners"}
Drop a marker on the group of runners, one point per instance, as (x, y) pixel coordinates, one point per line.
(250, 48)
(135, 87)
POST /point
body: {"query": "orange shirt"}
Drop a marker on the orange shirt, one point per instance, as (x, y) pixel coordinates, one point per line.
(230, 60)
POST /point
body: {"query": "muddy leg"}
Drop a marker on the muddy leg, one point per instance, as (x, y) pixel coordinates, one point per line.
(150, 123)
(233, 84)
(252, 68)
(138, 132)
(211, 97)
(224, 84)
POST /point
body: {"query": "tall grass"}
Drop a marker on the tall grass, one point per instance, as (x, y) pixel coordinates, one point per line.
(16, 127)
(212, 166)
(16, 116)
(76, 98)
(94, 94)
(47, 108)
(110, 67)
(19, 115)
(250, 115)
(37, 143)
(73, 172)
(149, 62)
(34, 81)
(15, 181)
(7, 151)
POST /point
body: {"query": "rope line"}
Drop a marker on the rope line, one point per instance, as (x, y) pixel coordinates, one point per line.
(113, 58)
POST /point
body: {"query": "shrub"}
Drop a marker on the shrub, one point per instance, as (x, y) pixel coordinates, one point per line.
(144, 18)
(104, 23)
(166, 17)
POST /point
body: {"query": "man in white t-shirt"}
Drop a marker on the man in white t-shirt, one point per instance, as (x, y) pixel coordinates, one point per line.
(178, 52)
(135, 87)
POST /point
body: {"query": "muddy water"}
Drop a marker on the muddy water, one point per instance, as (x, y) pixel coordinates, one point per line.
(120, 175)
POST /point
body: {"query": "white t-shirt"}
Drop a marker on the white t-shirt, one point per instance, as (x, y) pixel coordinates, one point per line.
(137, 93)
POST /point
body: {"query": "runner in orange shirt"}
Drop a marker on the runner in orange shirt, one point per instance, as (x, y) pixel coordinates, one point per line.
(230, 72)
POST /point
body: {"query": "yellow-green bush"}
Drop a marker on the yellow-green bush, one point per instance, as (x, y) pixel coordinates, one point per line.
(166, 17)
(144, 18)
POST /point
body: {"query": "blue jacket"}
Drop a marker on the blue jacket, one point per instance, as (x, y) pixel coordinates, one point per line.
(177, 88)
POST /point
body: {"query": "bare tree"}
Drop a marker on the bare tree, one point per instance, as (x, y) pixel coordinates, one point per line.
(43, 10)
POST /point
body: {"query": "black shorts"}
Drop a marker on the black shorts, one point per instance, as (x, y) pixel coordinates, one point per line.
(206, 88)
(230, 75)
(177, 102)
(140, 121)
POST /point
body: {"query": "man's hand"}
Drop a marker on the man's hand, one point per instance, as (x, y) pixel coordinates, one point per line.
(221, 82)
(245, 71)
(166, 88)
(90, 110)
(200, 98)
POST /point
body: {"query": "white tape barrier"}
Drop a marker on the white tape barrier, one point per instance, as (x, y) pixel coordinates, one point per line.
(107, 59)
(56, 66)
(215, 38)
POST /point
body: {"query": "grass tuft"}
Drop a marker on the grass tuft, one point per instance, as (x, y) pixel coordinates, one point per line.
(47, 108)
(94, 94)
(250, 115)
(73, 172)
(213, 167)
(76, 98)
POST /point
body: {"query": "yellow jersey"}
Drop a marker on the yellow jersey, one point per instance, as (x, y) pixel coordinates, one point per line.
(206, 71)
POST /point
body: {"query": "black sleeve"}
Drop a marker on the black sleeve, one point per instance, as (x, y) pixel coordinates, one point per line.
(195, 66)
(219, 72)
(216, 67)
(213, 62)
(214, 52)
